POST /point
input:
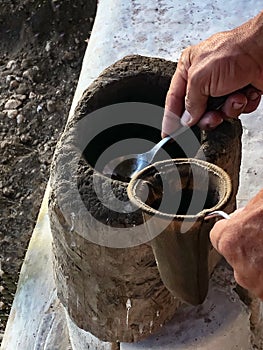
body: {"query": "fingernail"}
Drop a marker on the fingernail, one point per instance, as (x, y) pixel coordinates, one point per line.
(253, 96)
(186, 118)
(237, 105)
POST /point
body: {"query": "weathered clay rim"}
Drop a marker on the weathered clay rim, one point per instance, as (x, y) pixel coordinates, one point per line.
(134, 198)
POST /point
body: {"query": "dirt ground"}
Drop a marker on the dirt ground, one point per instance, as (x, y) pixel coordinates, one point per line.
(41, 50)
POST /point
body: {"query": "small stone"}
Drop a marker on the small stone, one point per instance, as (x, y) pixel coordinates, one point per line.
(19, 118)
(7, 192)
(35, 68)
(39, 108)
(48, 46)
(12, 104)
(12, 113)
(18, 195)
(43, 167)
(9, 78)
(25, 138)
(12, 64)
(31, 74)
(13, 84)
(32, 95)
(2, 305)
(1, 289)
(3, 144)
(27, 74)
(51, 106)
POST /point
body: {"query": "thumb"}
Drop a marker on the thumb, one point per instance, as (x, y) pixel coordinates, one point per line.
(195, 107)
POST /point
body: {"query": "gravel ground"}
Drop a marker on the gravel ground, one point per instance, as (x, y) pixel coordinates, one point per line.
(42, 46)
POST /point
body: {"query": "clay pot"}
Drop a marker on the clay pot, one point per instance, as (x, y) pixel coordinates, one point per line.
(104, 266)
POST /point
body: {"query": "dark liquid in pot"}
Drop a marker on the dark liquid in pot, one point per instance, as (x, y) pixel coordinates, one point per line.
(184, 203)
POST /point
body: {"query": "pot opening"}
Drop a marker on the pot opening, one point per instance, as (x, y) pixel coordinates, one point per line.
(179, 187)
(126, 119)
(188, 201)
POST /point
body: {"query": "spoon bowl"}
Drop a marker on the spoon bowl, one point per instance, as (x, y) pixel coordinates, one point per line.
(123, 168)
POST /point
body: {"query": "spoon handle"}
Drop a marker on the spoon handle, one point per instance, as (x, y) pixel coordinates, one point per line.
(215, 103)
(151, 154)
(169, 137)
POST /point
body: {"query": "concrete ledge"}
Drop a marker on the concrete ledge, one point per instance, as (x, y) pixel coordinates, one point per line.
(221, 322)
(159, 28)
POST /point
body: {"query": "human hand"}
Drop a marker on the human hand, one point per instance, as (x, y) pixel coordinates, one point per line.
(240, 241)
(220, 65)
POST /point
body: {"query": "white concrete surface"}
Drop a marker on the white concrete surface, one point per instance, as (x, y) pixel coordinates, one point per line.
(159, 28)
(221, 322)
(37, 318)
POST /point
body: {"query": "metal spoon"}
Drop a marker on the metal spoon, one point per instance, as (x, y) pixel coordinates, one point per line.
(124, 167)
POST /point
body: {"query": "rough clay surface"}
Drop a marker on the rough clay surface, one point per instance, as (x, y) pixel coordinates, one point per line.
(95, 280)
(42, 46)
(101, 280)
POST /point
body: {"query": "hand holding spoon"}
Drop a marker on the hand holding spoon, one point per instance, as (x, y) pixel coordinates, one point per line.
(124, 167)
